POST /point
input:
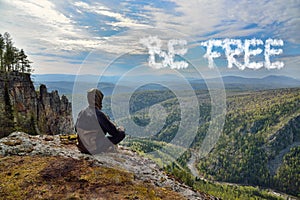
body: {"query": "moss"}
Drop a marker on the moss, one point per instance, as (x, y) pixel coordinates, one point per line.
(72, 137)
(36, 177)
(16, 172)
(68, 139)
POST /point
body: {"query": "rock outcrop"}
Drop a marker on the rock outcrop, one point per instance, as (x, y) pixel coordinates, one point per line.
(281, 142)
(40, 112)
(144, 170)
(54, 113)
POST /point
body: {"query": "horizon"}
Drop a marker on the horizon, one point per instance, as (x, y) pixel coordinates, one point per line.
(238, 76)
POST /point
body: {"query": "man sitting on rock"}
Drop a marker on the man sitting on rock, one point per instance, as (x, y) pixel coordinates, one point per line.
(96, 133)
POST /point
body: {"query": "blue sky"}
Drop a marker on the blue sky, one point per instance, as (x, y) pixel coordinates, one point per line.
(102, 37)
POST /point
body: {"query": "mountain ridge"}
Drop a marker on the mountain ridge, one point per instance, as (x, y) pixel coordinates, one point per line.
(91, 77)
(65, 83)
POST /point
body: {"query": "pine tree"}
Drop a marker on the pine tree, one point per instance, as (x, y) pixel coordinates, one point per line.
(11, 58)
(15, 61)
(8, 107)
(9, 52)
(7, 124)
(32, 125)
(2, 46)
(23, 60)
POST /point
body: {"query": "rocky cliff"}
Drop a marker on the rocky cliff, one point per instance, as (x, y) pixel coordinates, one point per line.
(54, 113)
(281, 142)
(44, 167)
(33, 111)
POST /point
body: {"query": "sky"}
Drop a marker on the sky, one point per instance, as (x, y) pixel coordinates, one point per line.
(104, 36)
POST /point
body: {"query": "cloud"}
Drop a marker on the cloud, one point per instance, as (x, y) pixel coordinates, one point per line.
(199, 20)
(68, 28)
(43, 13)
(276, 18)
(42, 22)
(121, 21)
(230, 18)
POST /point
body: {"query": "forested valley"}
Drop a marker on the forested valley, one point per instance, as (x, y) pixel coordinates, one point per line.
(258, 147)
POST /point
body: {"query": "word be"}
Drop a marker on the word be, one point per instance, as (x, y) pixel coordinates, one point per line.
(234, 48)
(154, 47)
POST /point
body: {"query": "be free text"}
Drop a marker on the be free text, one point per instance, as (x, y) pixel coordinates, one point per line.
(232, 48)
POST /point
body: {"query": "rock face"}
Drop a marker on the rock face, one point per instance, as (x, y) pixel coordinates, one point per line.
(285, 136)
(143, 169)
(41, 112)
(281, 142)
(21, 90)
(54, 113)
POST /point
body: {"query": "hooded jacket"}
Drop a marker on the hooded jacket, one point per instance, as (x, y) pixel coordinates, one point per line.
(92, 126)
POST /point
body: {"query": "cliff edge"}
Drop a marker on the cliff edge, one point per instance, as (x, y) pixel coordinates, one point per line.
(36, 112)
(39, 167)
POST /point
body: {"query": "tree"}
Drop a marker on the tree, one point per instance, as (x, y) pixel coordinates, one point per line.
(7, 124)
(23, 64)
(23, 60)
(28, 68)
(11, 58)
(9, 52)
(15, 61)
(2, 46)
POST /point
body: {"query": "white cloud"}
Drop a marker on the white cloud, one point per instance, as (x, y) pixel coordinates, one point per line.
(43, 12)
(274, 17)
(52, 30)
(205, 19)
(99, 9)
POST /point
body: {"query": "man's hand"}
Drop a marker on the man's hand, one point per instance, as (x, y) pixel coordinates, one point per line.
(121, 128)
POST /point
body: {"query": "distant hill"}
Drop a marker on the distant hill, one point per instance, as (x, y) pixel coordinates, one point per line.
(72, 77)
(264, 83)
(66, 87)
(64, 83)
